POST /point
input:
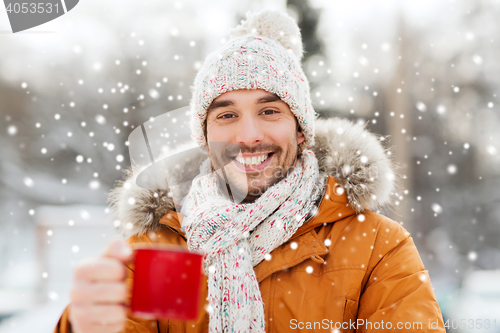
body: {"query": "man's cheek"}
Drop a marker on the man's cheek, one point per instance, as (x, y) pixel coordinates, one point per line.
(271, 168)
(279, 174)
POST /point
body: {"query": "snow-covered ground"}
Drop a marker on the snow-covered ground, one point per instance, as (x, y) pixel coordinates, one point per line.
(36, 292)
(41, 319)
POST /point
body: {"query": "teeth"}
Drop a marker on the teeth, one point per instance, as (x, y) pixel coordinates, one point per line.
(251, 161)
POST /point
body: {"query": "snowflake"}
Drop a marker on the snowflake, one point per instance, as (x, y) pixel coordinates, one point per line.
(437, 208)
(28, 182)
(12, 130)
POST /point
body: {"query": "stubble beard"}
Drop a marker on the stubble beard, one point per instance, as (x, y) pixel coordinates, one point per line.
(256, 183)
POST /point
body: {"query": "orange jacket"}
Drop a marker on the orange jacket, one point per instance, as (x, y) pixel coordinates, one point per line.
(354, 273)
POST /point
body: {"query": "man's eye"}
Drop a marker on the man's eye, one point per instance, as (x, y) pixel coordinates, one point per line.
(224, 116)
(270, 111)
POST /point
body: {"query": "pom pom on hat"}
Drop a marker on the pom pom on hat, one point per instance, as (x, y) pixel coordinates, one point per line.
(274, 25)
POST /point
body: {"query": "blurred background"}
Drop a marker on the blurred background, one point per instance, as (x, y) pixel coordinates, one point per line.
(424, 73)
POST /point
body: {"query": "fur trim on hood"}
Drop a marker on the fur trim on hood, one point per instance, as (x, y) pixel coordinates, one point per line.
(346, 151)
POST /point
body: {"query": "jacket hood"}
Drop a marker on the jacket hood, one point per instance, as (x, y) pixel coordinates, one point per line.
(346, 151)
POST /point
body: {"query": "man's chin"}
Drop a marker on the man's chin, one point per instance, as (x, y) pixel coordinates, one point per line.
(248, 186)
(243, 191)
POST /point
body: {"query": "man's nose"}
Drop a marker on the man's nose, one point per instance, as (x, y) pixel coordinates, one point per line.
(249, 132)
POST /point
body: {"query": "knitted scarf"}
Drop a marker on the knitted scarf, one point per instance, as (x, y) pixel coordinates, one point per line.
(234, 238)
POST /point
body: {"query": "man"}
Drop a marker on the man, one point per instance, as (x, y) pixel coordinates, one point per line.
(303, 250)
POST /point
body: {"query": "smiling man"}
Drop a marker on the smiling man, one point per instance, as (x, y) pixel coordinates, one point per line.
(302, 247)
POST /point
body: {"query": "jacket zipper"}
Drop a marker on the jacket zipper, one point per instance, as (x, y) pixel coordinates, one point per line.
(175, 231)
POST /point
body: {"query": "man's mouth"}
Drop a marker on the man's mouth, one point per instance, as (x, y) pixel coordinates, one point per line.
(253, 162)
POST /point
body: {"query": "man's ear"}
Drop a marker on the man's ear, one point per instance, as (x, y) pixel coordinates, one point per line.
(300, 137)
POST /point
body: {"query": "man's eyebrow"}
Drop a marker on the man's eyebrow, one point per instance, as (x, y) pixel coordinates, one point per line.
(268, 99)
(229, 102)
(220, 104)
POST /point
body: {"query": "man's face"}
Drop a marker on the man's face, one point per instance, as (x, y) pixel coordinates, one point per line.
(265, 130)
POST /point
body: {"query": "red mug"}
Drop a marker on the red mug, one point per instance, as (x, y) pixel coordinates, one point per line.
(166, 283)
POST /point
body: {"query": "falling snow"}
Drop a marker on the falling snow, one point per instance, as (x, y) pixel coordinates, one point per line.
(65, 130)
(452, 169)
(28, 182)
(437, 208)
(472, 256)
(12, 130)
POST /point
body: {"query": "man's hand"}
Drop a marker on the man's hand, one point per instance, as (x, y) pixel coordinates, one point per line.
(99, 291)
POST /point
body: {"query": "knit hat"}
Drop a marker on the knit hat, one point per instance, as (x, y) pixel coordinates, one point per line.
(263, 52)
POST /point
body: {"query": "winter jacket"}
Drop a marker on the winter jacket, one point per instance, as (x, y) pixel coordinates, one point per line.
(346, 269)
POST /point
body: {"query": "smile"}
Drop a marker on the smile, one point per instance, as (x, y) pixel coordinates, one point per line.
(254, 163)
